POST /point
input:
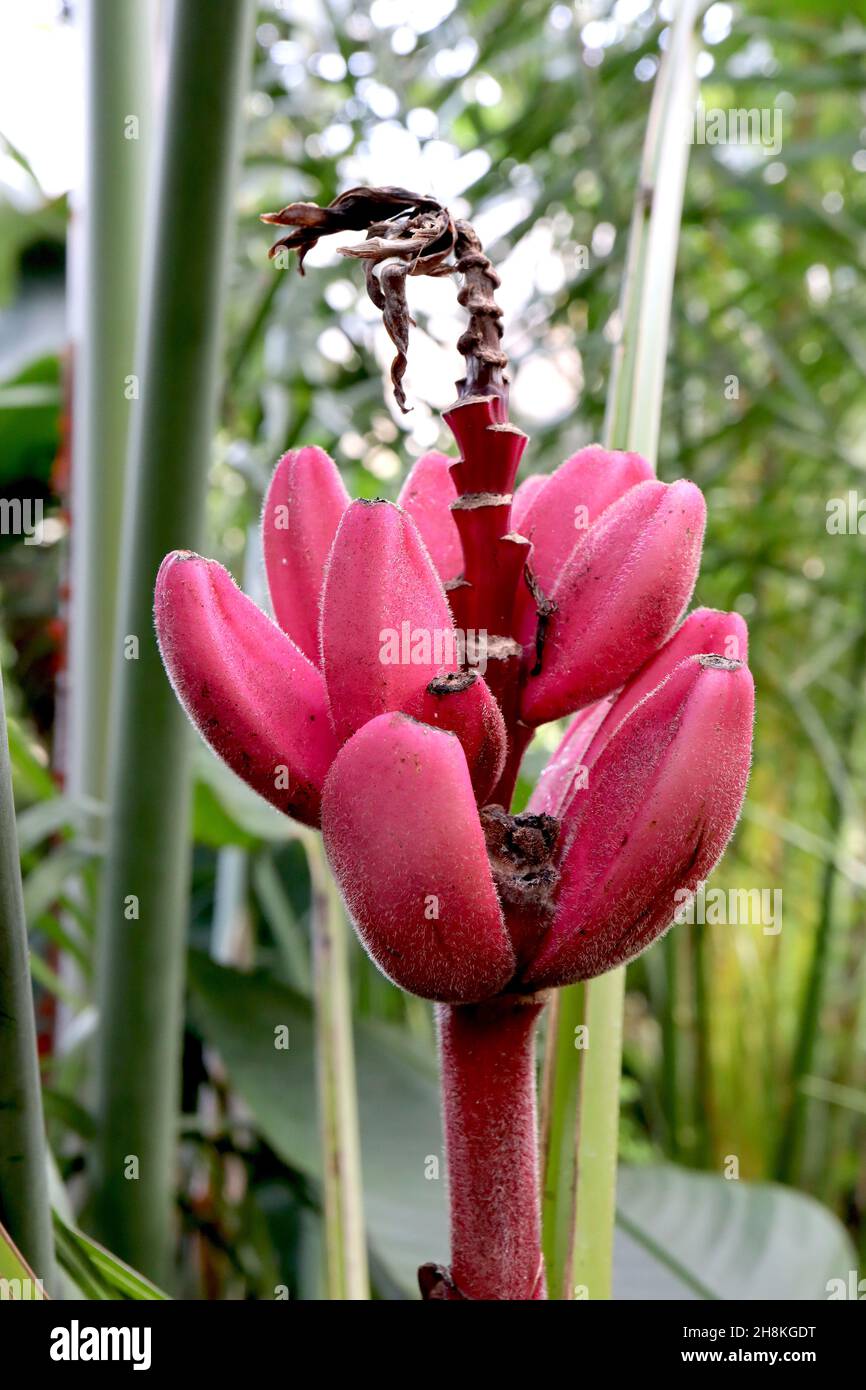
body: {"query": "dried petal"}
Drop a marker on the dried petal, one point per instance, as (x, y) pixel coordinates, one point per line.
(352, 210)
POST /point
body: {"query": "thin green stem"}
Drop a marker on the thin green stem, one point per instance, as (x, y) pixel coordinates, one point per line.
(345, 1242)
(703, 1078)
(560, 1094)
(24, 1209)
(145, 887)
(670, 1048)
(632, 422)
(597, 1132)
(117, 45)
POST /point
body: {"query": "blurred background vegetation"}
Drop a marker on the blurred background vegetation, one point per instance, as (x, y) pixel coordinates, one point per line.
(529, 115)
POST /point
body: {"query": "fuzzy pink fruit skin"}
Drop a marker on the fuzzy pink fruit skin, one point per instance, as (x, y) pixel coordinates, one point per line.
(465, 706)
(591, 479)
(426, 496)
(379, 576)
(488, 1070)
(661, 804)
(707, 630)
(252, 695)
(554, 783)
(302, 510)
(403, 838)
(619, 597)
(524, 496)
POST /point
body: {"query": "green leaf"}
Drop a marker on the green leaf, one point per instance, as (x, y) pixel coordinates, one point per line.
(283, 921)
(227, 812)
(29, 431)
(46, 885)
(17, 1280)
(694, 1235)
(51, 981)
(681, 1234)
(52, 816)
(211, 823)
(30, 777)
(398, 1097)
(99, 1274)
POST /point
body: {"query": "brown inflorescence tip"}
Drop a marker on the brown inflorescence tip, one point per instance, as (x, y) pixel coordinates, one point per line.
(409, 234)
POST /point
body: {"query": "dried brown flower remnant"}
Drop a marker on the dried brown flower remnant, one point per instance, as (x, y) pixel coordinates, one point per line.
(410, 234)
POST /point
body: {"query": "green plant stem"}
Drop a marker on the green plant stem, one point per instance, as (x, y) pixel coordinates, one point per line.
(670, 1049)
(594, 1209)
(117, 46)
(24, 1209)
(345, 1242)
(560, 1094)
(587, 1205)
(703, 1078)
(145, 888)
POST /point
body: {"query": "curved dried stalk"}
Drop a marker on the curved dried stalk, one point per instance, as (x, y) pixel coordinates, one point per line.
(410, 234)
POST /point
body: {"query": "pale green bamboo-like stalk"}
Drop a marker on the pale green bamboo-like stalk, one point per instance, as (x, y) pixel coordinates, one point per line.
(106, 236)
(581, 1192)
(345, 1242)
(145, 887)
(559, 1101)
(24, 1208)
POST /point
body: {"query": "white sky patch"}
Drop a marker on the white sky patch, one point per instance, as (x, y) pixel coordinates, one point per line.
(335, 346)
(456, 61)
(419, 15)
(547, 386)
(44, 119)
(423, 122)
(603, 238)
(627, 11)
(393, 155)
(40, 94)
(432, 371)
(819, 283)
(717, 23)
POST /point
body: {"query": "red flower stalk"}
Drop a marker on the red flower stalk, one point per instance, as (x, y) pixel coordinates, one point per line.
(415, 649)
(488, 1063)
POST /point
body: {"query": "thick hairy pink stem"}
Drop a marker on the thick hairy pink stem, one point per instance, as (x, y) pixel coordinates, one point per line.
(488, 1086)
